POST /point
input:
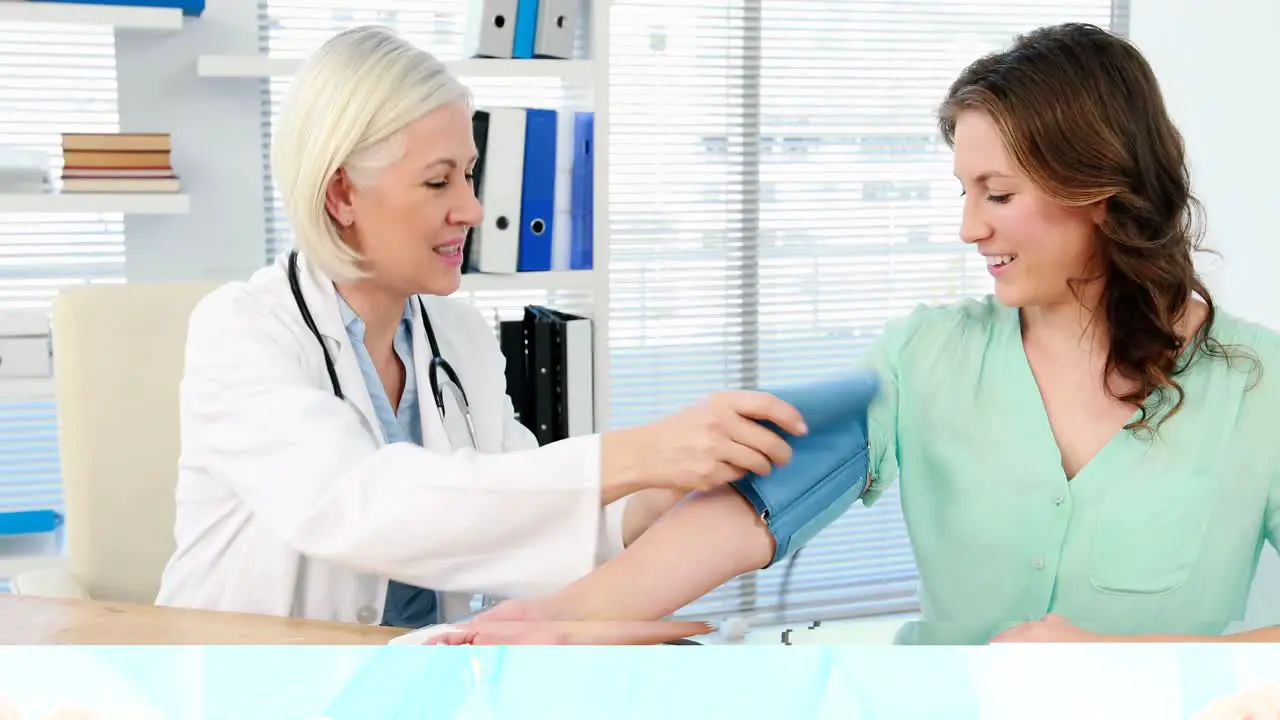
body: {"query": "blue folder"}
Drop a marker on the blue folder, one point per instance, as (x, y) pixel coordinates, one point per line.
(190, 8)
(526, 29)
(28, 522)
(582, 193)
(829, 466)
(538, 191)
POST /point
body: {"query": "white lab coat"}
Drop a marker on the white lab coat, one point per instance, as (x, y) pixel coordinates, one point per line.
(290, 503)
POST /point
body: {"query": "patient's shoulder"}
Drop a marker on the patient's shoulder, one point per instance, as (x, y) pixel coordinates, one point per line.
(949, 327)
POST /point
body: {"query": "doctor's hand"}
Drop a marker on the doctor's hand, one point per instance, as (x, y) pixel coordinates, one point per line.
(702, 447)
(630, 632)
(521, 609)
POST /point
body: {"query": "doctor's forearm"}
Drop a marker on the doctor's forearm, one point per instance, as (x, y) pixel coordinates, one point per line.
(697, 546)
(621, 473)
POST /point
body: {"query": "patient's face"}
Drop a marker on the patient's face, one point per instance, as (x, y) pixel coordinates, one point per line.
(412, 221)
(1033, 245)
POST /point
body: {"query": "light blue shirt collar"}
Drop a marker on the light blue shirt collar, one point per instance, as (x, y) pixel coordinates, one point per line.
(355, 324)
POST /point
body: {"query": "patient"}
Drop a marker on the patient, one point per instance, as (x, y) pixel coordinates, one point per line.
(1086, 455)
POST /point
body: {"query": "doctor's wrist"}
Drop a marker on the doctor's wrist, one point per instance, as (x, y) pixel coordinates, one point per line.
(622, 464)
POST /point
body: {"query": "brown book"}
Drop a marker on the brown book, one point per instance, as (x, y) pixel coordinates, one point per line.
(121, 185)
(118, 142)
(117, 172)
(88, 159)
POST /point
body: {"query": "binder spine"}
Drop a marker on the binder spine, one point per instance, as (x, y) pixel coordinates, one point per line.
(526, 29)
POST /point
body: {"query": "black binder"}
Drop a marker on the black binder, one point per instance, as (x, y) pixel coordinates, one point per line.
(511, 340)
(542, 373)
(549, 372)
(480, 134)
(572, 365)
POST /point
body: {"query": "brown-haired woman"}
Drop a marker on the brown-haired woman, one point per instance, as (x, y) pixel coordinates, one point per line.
(1087, 455)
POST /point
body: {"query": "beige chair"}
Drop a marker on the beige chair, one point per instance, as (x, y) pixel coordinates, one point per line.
(118, 355)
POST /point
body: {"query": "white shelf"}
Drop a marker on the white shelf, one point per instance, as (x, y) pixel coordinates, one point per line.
(262, 66)
(119, 16)
(125, 203)
(12, 566)
(26, 389)
(551, 281)
(245, 66)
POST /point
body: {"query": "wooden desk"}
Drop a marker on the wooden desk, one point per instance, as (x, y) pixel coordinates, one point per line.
(43, 621)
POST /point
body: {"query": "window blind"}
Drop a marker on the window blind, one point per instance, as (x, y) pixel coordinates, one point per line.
(778, 190)
(53, 79)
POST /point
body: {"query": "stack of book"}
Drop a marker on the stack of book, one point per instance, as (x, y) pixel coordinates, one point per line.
(117, 163)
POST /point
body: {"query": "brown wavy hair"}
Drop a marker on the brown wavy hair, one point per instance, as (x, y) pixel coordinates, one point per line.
(1081, 113)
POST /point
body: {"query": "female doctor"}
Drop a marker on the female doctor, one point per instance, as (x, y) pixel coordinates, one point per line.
(348, 450)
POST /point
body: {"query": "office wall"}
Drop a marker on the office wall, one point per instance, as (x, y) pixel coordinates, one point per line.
(1213, 59)
(1216, 62)
(215, 126)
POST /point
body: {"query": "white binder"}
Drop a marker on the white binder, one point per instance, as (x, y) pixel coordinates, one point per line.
(579, 386)
(491, 28)
(496, 242)
(562, 229)
(557, 25)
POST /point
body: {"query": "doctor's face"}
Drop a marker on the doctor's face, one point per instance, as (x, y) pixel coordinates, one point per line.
(411, 222)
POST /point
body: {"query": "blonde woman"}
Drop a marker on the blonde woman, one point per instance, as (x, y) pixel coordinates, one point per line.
(348, 449)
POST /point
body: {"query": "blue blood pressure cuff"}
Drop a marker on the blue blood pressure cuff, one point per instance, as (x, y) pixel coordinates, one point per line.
(829, 465)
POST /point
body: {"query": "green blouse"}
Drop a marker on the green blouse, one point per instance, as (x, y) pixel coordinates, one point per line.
(1157, 534)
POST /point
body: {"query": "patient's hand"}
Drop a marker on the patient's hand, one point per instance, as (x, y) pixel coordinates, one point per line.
(545, 632)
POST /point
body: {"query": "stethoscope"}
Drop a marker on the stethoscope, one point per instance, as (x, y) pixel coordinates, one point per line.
(438, 364)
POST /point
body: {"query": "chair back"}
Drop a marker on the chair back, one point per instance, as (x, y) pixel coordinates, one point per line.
(118, 353)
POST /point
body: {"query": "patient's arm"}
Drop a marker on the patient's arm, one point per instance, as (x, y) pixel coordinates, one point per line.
(713, 537)
(643, 510)
(701, 543)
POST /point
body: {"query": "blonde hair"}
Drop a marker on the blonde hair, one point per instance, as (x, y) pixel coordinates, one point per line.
(346, 109)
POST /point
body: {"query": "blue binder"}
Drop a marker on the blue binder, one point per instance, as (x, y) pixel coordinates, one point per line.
(29, 522)
(828, 471)
(526, 29)
(582, 192)
(190, 8)
(538, 191)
